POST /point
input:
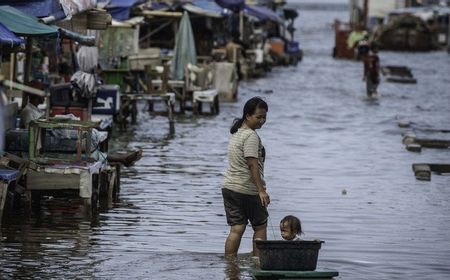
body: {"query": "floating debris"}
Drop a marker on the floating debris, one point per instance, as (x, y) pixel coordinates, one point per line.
(422, 171)
(398, 74)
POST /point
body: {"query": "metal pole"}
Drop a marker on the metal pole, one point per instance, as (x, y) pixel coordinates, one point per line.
(448, 34)
(27, 70)
(241, 25)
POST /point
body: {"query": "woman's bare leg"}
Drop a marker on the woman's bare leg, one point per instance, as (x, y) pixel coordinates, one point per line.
(260, 232)
(234, 240)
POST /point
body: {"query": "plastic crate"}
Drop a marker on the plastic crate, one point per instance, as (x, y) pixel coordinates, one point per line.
(292, 47)
(288, 255)
(62, 95)
(17, 140)
(107, 101)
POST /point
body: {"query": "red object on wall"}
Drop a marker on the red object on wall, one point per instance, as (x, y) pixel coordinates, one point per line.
(81, 113)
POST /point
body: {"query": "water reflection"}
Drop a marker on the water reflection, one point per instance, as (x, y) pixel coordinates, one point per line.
(241, 267)
(56, 238)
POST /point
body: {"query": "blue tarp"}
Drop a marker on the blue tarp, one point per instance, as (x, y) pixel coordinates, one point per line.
(37, 8)
(204, 7)
(9, 38)
(8, 175)
(262, 13)
(233, 5)
(156, 6)
(23, 24)
(120, 9)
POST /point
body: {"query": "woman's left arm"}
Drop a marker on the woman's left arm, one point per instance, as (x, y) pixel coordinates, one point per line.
(252, 164)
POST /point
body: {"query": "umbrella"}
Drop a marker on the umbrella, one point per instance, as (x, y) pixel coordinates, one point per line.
(184, 51)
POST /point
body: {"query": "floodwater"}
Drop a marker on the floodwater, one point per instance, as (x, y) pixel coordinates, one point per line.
(334, 158)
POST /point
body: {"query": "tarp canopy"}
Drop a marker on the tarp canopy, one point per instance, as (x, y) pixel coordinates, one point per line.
(206, 8)
(9, 38)
(57, 9)
(22, 24)
(233, 5)
(156, 6)
(37, 8)
(120, 9)
(262, 13)
(73, 7)
(184, 51)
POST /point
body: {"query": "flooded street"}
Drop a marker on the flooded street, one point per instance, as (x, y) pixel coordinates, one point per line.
(334, 158)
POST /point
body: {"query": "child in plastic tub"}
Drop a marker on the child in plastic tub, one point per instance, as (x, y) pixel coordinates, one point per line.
(291, 228)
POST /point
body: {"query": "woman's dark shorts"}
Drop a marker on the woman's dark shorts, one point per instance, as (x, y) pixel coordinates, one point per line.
(241, 208)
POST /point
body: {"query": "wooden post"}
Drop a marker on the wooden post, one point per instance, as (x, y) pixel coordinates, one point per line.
(171, 120)
(80, 144)
(241, 25)
(366, 13)
(3, 194)
(149, 78)
(27, 70)
(89, 112)
(448, 35)
(12, 68)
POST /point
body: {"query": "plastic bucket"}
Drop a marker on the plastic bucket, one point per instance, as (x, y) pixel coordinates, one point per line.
(288, 255)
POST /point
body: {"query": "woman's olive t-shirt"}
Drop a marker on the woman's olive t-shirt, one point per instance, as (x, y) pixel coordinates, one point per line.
(244, 143)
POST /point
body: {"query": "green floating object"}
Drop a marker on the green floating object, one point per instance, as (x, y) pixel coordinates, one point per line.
(283, 274)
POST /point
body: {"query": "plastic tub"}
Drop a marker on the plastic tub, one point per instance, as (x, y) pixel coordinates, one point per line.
(288, 255)
(277, 46)
(292, 47)
(138, 62)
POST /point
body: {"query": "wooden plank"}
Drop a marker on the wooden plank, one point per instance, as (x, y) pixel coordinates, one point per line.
(52, 181)
(161, 14)
(3, 195)
(439, 167)
(433, 143)
(414, 147)
(426, 142)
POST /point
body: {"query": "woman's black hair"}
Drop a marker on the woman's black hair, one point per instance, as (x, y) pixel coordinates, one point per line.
(294, 224)
(249, 109)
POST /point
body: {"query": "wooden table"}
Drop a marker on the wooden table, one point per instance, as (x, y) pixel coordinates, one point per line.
(64, 176)
(7, 176)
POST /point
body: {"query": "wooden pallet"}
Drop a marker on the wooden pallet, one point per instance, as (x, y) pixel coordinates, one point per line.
(284, 274)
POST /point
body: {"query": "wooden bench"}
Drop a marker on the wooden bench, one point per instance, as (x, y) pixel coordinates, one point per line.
(200, 81)
(7, 176)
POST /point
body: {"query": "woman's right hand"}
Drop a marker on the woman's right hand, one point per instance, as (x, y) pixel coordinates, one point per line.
(264, 197)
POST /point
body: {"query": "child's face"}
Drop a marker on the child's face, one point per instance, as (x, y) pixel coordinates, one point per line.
(286, 232)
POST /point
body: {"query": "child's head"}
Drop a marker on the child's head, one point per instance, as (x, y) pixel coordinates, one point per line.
(290, 227)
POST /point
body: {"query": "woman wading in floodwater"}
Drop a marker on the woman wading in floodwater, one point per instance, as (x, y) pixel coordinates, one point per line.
(244, 190)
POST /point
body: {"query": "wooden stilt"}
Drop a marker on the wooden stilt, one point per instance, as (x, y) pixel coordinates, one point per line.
(422, 171)
(3, 194)
(414, 147)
